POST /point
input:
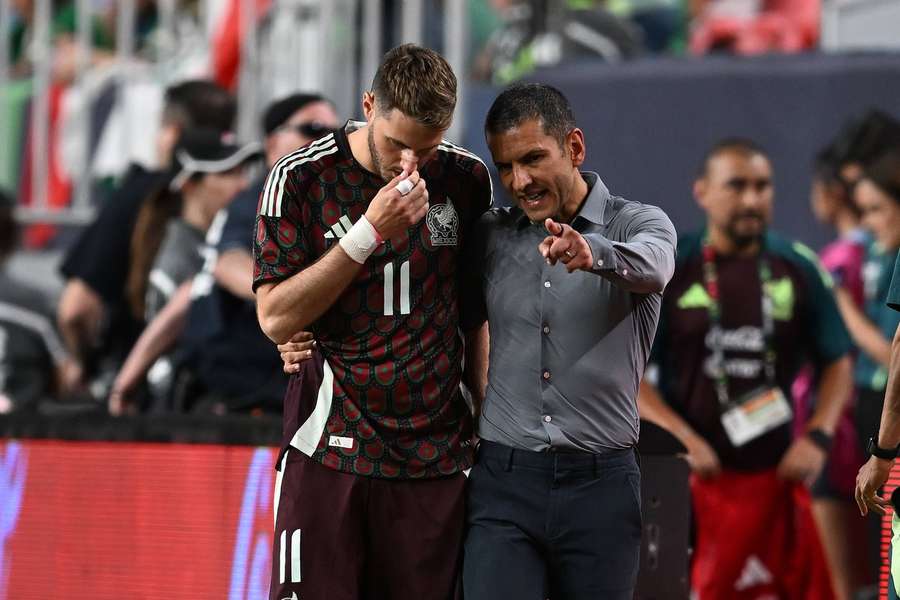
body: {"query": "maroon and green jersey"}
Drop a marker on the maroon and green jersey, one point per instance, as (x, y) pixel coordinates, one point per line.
(383, 395)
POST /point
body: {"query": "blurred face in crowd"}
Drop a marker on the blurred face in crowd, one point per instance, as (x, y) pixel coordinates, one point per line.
(880, 213)
(538, 172)
(212, 192)
(391, 132)
(824, 202)
(736, 193)
(308, 124)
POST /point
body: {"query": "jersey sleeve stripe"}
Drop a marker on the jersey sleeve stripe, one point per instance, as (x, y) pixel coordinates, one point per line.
(278, 170)
(278, 189)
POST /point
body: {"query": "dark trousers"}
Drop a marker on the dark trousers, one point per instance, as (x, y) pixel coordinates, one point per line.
(545, 524)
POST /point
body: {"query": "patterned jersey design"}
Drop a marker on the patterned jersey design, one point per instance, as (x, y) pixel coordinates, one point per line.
(392, 339)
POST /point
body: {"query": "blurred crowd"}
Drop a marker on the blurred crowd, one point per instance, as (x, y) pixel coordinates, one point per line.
(508, 36)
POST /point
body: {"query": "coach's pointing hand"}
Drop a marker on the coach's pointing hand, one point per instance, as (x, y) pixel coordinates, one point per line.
(391, 212)
(567, 246)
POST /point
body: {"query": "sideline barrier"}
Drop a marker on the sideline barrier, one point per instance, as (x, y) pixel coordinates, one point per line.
(162, 508)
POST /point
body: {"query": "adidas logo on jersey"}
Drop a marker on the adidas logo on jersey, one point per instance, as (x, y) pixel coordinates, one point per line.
(339, 229)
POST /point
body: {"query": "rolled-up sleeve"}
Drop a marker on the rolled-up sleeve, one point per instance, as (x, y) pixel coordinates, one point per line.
(644, 263)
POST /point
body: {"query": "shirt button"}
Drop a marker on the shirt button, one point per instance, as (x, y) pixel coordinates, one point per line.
(546, 329)
(547, 418)
(546, 284)
(599, 262)
(546, 375)
(624, 272)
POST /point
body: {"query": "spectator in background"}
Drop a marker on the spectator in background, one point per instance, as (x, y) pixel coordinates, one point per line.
(544, 33)
(234, 364)
(223, 360)
(842, 533)
(63, 31)
(172, 224)
(878, 196)
(862, 140)
(874, 325)
(94, 317)
(33, 361)
(744, 312)
(753, 26)
(166, 249)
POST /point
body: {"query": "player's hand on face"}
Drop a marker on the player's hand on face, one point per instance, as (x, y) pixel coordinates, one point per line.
(296, 350)
(567, 246)
(391, 213)
(802, 462)
(869, 480)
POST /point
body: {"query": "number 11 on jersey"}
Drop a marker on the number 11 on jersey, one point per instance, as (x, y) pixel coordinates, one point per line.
(389, 288)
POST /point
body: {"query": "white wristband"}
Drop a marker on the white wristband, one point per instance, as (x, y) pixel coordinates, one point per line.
(361, 241)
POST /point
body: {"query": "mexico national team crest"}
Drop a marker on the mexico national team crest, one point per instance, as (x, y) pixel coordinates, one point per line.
(443, 223)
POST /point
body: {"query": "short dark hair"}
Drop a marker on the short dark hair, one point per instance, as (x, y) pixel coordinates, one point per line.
(864, 139)
(9, 231)
(419, 83)
(199, 103)
(827, 170)
(738, 145)
(884, 172)
(531, 101)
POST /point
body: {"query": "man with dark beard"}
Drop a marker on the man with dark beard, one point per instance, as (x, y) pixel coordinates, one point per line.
(745, 310)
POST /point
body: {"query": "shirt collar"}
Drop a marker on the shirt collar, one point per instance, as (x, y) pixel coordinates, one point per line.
(594, 205)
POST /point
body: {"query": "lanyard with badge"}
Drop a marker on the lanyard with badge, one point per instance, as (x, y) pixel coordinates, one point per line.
(764, 408)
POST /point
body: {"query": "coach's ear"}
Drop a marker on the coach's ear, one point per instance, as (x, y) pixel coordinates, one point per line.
(368, 105)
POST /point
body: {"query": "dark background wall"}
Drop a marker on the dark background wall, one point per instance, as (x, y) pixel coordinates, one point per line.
(648, 123)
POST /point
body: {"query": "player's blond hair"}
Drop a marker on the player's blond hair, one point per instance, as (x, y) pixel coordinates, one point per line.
(419, 83)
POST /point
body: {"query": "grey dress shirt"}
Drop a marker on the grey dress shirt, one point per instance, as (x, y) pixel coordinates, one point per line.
(568, 349)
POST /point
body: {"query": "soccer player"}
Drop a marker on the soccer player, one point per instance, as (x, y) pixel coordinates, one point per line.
(370, 495)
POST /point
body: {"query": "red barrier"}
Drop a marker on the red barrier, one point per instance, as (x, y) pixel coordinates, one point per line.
(134, 520)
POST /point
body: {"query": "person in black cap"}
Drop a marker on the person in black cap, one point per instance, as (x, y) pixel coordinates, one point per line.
(168, 241)
(93, 313)
(32, 357)
(221, 344)
(288, 124)
(235, 367)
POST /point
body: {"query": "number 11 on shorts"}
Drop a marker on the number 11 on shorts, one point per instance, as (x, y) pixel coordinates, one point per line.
(389, 288)
(294, 556)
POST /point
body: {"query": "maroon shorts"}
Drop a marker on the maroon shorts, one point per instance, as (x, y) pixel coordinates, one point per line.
(340, 536)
